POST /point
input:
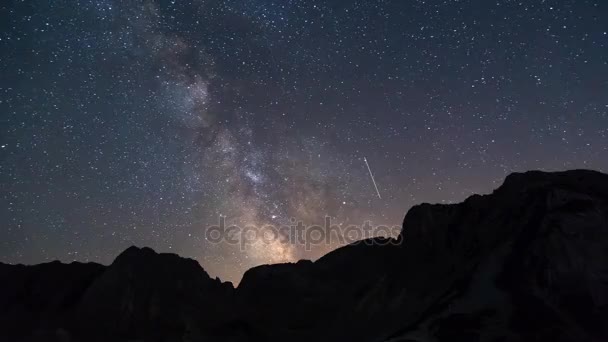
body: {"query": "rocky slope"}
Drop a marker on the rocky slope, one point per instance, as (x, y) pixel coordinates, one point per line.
(525, 263)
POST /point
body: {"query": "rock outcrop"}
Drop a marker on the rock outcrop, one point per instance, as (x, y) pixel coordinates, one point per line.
(525, 263)
(142, 295)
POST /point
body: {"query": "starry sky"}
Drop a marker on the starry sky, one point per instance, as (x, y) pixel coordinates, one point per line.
(143, 122)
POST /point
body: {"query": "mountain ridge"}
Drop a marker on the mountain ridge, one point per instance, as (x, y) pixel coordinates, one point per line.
(522, 263)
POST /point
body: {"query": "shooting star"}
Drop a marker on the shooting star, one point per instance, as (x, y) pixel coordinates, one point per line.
(372, 176)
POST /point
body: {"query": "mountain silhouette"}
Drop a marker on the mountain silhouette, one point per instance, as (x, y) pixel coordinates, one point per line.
(527, 262)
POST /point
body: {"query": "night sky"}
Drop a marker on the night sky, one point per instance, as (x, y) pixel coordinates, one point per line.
(141, 122)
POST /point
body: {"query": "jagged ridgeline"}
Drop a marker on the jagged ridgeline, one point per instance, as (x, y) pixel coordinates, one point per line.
(525, 263)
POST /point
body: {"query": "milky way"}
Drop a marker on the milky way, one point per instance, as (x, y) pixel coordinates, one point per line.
(147, 122)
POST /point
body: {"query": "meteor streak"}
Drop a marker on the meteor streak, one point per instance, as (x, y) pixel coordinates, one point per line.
(372, 176)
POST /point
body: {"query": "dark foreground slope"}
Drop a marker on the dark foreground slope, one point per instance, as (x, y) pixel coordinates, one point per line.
(525, 263)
